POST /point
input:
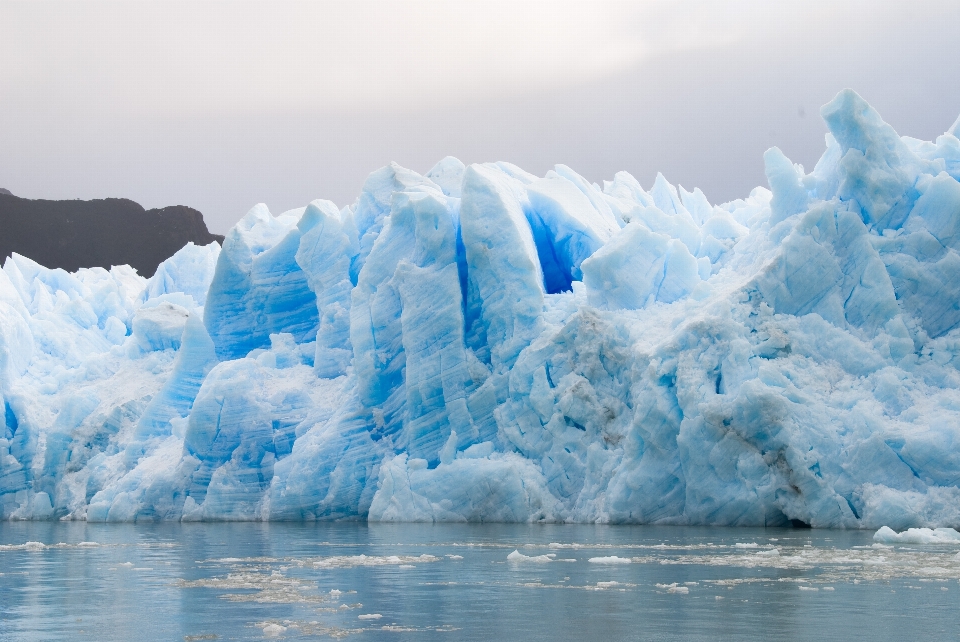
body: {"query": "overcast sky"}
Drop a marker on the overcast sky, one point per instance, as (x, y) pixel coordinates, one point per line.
(220, 105)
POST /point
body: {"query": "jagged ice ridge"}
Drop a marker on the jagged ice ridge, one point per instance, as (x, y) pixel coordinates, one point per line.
(481, 344)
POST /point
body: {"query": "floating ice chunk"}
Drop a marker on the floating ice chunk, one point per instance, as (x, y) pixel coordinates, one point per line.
(610, 559)
(675, 588)
(351, 561)
(887, 535)
(369, 616)
(517, 557)
(273, 630)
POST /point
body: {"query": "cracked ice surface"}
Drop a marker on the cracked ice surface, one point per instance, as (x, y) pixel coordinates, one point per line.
(481, 344)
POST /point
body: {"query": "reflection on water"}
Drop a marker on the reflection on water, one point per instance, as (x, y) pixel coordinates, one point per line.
(79, 581)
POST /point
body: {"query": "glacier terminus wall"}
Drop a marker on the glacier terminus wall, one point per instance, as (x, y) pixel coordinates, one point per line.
(481, 344)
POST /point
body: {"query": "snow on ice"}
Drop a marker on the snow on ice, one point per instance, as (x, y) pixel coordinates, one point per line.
(481, 344)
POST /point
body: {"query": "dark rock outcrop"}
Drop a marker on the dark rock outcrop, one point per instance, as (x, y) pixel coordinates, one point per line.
(99, 233)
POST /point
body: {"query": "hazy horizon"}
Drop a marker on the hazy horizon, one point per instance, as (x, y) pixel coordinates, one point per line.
(219, 106)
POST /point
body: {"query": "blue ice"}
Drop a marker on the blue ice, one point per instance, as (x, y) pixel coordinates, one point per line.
(477, 343)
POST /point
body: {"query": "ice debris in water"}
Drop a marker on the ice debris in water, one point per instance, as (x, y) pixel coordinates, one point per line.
(887, 535)
(273, 629)
(481, 344)
(517, 557)
(611, 559)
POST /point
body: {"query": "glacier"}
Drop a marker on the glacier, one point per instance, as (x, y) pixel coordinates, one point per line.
(477, 343)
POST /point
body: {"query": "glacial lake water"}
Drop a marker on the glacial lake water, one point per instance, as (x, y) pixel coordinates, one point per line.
(78, 581)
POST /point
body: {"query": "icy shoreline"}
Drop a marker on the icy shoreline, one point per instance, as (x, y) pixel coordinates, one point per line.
(480, 344)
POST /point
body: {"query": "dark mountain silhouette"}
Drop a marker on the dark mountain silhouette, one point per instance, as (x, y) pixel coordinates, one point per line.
(99, 233)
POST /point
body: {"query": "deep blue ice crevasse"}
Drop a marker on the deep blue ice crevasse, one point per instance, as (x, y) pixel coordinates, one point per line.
(567, 228)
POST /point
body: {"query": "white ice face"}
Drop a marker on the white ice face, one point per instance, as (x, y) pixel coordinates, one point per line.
(481, 344)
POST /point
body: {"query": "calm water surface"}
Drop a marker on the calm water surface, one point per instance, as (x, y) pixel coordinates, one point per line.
(78, 581)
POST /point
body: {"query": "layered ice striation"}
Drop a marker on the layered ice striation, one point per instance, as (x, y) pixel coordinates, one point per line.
(481, 344)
